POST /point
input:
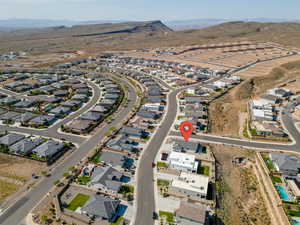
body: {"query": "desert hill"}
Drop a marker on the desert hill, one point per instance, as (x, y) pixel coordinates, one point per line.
(133, 35)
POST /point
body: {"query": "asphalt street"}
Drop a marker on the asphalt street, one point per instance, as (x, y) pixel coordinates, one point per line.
(145, 187)
(15, 214)
(52, 131)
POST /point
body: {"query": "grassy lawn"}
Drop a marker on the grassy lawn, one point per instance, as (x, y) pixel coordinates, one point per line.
(161, 182)
(180, 117)
(276, 179)
(36, 157)
(96, 157)
(7, 189)
(78, 201)
(294, 213)
(169, 216)
(125, 189)
(204, 170)
(268, 162)
(162, 165)
(118, 222)
(291, 209)
(83, 179)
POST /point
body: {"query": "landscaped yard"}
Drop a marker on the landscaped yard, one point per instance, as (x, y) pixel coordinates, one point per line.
(276, 179)
(125, 189)
(168, 215)
(162, 165)
(96, 157)
(78, 201)
(118, 222)
(291, 209)
(268, 162)
(83, 179)
(161, 182)
(204, 170)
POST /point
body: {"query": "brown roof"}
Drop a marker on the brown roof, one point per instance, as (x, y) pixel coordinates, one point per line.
(192, 211)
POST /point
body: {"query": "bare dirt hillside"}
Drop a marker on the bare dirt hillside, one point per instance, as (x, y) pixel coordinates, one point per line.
(126, 36)
(225, 111)
(240, 201)
(82, 37)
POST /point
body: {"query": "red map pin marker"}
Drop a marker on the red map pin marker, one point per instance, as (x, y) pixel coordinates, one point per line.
(186, 129)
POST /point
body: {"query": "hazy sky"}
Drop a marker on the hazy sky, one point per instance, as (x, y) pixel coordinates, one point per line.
(148, 9)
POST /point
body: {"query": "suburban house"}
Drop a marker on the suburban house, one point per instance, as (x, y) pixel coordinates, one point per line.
(184, 146)
(182, 162)
(272, 99)
(25, 146)
(60, 93)
(10, 115)
(286, 163)
(92, 116)
(80, 126)
(24, 104)
(80, 97)
(191, 214)
(153, 107)
(193, 100)
(123, 143)
(42, 120)
(11, 139)
(99, 109)
(117, 160)
(48, 149)
(25, 117)
(101, 207)
(60, 110)
(191, 185)
(71, 103)
(148, 114)
(106, 178)
(9, 101)
(132, 132)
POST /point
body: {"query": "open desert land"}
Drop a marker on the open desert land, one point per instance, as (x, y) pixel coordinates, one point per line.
(140, 35)
(15, 172)
(225, 111)
(239, 199)
(265, 68)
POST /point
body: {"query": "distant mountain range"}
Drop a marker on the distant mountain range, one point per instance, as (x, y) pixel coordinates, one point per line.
(15, 24)
(203, 23)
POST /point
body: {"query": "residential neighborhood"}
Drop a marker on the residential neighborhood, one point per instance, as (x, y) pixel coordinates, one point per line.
(109, 117)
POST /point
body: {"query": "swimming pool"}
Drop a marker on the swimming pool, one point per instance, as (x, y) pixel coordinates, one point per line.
(295, 222)
(283, 193)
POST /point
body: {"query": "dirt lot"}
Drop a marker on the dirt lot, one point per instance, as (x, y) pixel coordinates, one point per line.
(239, 199)
(296, 114)
(14, 172)
(226, 111)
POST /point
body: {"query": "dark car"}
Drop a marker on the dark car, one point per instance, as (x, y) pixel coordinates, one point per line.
(154, 216)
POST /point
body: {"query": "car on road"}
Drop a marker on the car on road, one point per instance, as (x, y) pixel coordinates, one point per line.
(153, 164)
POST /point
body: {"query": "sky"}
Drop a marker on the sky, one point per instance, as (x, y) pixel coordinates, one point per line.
(166, 10)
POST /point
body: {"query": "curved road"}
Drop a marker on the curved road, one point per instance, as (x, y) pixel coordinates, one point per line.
(15, 214)
(52, 131)
(145, 188)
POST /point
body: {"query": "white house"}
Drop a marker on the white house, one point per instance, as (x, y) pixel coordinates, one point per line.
(183, 162)
(193, 185)
(152, 106)
(220, 84)
(190, 91)
(261, 104)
